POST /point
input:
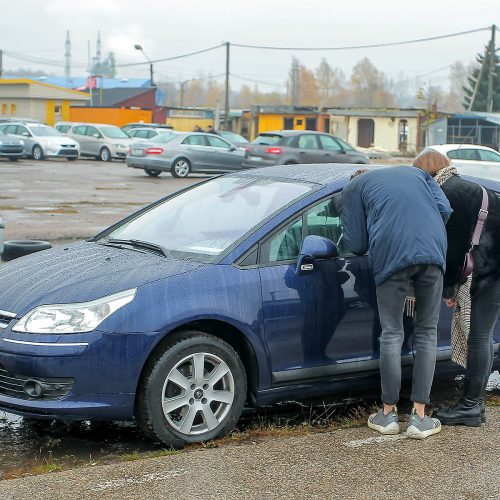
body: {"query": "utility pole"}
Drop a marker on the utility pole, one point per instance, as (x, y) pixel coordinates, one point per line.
(491, 72)
(67, 59)
(226, 101)
(1, 63)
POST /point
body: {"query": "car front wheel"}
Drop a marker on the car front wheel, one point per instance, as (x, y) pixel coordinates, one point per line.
(192, 391)
(37, 153)
(105, 154)
(181, 168)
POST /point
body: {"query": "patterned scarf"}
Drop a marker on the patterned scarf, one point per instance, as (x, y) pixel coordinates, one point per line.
(460, 325)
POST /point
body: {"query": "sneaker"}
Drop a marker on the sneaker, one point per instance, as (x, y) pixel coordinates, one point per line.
(420, 428)
(385, 424)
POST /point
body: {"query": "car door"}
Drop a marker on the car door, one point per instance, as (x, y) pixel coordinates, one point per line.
(307, 149)
(78, 134)
(195, 148)
(94, 141)
(464, 157)
(332, 151)
(323, 322)
(21, 132)
(225, 157)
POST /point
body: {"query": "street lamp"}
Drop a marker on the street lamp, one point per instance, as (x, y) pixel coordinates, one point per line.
(139, 47)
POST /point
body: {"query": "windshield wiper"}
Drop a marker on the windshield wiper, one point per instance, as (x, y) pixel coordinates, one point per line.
(141, 244)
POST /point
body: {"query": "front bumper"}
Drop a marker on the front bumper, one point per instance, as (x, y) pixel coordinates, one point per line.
(12, 151)
(63, 152)
(92, 376)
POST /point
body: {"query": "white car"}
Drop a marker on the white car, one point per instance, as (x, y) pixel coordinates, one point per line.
(101, 141)
(42, 141)
(472, 159)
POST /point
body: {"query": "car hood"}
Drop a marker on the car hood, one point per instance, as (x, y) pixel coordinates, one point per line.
(80, 272)
(56, 139)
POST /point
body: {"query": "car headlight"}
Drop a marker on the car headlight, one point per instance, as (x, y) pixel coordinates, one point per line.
(120, 146)
(52, 144)
(72, 318)
(22, 142)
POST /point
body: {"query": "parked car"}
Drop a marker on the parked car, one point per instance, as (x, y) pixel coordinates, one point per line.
(236, 290)
(11, 147)
(42, 141)
(101, 141)
(183, 153)
(147, 132)
(153, 126)
(287, 147)
(233, 138)
(63, 127)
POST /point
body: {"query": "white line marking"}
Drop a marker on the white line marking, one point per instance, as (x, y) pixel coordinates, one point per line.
(146, 478)
(374, 440)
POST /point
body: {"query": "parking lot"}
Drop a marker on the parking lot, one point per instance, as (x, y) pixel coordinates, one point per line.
(58, 200)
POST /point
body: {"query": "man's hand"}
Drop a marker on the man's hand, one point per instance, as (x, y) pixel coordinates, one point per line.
(450, 302)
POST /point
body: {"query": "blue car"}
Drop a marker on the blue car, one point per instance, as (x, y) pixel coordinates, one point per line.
(236, 291)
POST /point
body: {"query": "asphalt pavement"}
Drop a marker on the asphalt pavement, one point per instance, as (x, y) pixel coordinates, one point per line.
(458, 463)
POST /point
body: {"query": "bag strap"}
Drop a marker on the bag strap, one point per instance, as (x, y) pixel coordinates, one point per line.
(481, 218)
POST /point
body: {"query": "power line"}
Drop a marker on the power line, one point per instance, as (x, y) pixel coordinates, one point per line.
(353, 47)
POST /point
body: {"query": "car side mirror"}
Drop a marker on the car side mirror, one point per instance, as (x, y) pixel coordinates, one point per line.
(97, 136)
(232, 148)
(314, 248)
(25, 134)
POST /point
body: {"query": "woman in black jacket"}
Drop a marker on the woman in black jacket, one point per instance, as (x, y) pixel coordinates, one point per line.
(483, 289)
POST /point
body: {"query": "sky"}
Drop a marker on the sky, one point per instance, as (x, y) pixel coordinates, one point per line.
(167, 28)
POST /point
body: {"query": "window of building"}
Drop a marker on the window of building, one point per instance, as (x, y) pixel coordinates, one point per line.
(13, 109)
(4, 109)
(403, 134)
(288, 123)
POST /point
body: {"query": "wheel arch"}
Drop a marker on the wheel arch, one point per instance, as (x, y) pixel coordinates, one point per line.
(217, 328)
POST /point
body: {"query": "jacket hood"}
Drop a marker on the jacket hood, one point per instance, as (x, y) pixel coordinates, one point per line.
(80, 272)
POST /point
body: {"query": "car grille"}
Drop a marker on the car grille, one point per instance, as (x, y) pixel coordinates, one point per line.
(11, 148)
(18, 386)
(68, 152)
(68, 146)
(5, 318)
(121, 155)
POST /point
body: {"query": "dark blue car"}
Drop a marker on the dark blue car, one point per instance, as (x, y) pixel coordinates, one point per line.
(238, 290)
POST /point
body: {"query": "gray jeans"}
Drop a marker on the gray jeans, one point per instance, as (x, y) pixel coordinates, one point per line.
(391, 294)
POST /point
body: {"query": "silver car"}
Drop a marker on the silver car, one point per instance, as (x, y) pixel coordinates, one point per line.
(101, 141)
(11, 147)
(42, 141)
(185, 153)
(146, 132)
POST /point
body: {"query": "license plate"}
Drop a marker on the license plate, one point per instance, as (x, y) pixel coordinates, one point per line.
(138, 152)
(254, 158)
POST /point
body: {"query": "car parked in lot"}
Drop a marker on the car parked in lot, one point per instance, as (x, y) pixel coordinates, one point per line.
(147, 132)
(182, 153)
(236, 290)
(286, 147)
(472, 159)
(233, 138)
(101, 141)
(153, 126)
(41, 141)
(11, 147)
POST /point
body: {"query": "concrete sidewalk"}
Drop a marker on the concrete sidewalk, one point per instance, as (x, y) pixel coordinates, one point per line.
(458, 463)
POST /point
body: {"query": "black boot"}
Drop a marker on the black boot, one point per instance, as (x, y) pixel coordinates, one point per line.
(469, 410)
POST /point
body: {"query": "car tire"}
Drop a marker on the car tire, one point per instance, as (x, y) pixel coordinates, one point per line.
(177, 406)
(13, 158)
(152, 173)
(105, 154)
(37, 153)
(72, 158)
(181, 168)
(19, 248)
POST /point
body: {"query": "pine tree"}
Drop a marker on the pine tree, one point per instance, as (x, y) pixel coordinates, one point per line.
(479, 103)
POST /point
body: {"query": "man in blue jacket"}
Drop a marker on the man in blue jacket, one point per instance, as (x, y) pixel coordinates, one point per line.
(398, 216)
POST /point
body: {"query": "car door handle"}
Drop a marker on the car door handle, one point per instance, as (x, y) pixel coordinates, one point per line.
(302, 152)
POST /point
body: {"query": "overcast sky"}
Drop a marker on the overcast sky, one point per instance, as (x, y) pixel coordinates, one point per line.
(169, 28)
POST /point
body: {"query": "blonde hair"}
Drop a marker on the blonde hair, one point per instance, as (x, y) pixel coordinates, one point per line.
(431, 161)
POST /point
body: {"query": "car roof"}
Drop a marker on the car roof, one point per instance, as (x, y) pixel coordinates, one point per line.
(291, 132)
(445, 148)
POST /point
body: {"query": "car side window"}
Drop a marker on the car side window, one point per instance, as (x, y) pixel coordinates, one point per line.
(324, 220)
(329, 143)
(217, 142)
(23, 131)
(12, 129)
(149, 133)
(486, 155)
(80, 130)
(195, 140)
(92, 132)
(452, 155)
(467, 154)
(283, 245)
(307, 141)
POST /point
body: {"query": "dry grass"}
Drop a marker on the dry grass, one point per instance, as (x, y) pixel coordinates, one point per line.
(9, 207)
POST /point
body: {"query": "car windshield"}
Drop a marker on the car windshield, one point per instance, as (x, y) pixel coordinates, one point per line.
(45, 132)
(204, 221)
(233, 137)
(345, 145)
(114, 133)
(163, 138)
(267, 139)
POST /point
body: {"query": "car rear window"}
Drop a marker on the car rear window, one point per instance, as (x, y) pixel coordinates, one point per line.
(267, 139)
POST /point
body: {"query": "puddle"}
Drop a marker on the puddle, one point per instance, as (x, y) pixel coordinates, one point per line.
(27, 444)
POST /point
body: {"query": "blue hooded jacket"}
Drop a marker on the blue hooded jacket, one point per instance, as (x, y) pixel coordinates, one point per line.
(398, 215)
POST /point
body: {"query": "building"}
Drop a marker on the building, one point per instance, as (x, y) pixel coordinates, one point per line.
(389, 129)
(474, 128)
(284, 117)
(185, 119)
(24, 98)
